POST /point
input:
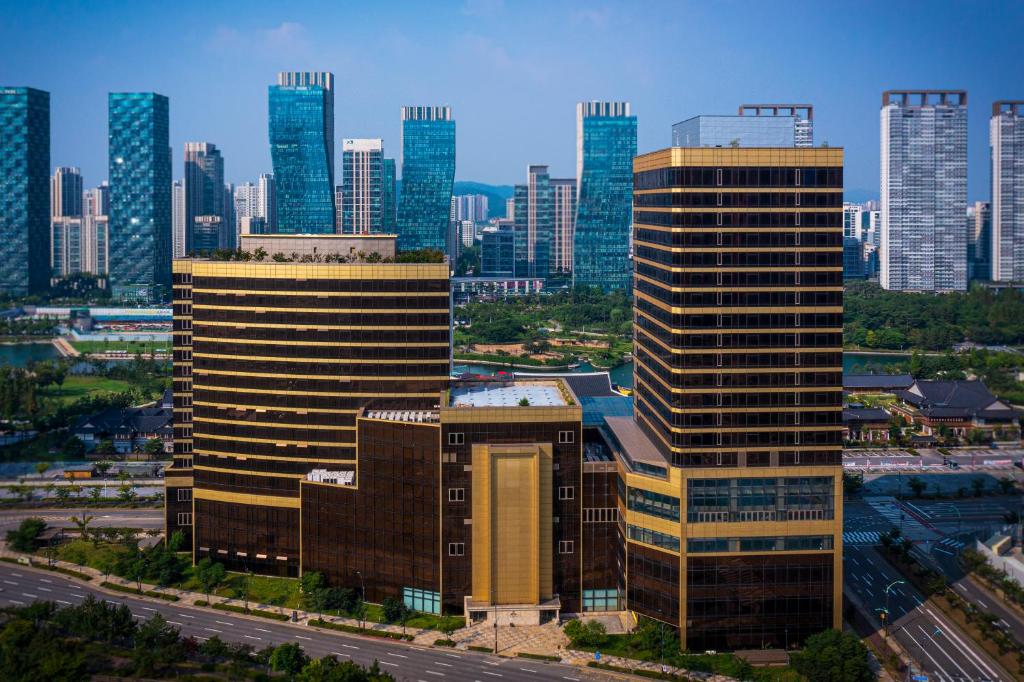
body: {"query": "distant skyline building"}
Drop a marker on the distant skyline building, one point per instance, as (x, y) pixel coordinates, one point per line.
(362, 186)
(97, 200)
(24, 190)
(605, 147)
(178, 212)
(472, 207)
(245, 202)
(428, 176)
(802, 114)
(78, 244)
(747, 129)
(389, 196)
(266, 200)
(66, 192)
(141, 242)
(510, 207)
(204, 185)
(533, 223)
(979, 241)
(924, 190)
(1006, 148)
(301, 118)
(498, 249)
(563, 217)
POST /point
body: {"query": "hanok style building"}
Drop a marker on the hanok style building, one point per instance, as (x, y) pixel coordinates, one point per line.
(960, 407)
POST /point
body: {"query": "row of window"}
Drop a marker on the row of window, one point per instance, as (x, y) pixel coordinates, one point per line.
(742, 278)
(712, 238)
(652, 503)
(740, 199)
(459, 438)
(600, 515)
(785, 543)
(652, 537)
(739, 176)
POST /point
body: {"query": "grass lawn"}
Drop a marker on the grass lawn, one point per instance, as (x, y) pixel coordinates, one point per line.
(81, 385)
(132, 347)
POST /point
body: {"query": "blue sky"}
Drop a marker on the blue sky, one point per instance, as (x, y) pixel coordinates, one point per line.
(511, 70)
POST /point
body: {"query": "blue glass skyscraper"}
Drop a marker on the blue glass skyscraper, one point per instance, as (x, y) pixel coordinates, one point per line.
(301, 125)
(605, 147)
(389, 197)
(428, 176)
(140, 196)
(24, 190)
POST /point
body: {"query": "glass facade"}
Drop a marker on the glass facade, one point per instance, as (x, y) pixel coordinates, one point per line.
(422, 601)
(653, 537)
(140, 196)
(602, 600)
(735, 131)
(655, 504)
(389, 197)
(534, 226)
(783, 543)
(301, 153)
(715, 500)
(498, 250)
(24, 190)
(203, 195)
(605, 147)
(1005, 252)
(428, 176)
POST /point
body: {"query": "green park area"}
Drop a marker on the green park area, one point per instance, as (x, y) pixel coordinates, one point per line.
(83, 386)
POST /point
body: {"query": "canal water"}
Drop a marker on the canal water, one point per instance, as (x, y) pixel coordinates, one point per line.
(20, 354)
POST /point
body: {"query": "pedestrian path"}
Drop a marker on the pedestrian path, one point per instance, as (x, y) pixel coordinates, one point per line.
(951, 543)
(910, 527)
(861, 537)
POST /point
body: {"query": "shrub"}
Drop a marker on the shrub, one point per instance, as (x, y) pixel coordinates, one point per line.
(589, 634)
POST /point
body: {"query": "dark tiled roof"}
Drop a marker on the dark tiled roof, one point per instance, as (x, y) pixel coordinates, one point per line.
(864, 414)
(957, 399)
(131, 419)
(877, 381)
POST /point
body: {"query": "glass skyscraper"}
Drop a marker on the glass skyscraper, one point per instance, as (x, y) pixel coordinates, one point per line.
(362, 171)
(140, 196)
(389, 196)
(605, 147)
(1006, 144)
(533, 224)
(924, 190)
(204, 189)
(301, 124)
(428, 176)
(24, 190)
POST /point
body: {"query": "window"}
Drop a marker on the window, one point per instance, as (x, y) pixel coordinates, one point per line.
(185, 519)
(655, 504)
(653, 537)
(601, 600)
(183, 463)
(600, 515)
(456, 549)
(184, 494)
(456, 494)
(566, 492)
(566, 437)
(456, 438)
(565, 546)
(422, 600)
(449, 458)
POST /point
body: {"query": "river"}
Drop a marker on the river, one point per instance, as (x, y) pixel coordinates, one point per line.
(20, 354)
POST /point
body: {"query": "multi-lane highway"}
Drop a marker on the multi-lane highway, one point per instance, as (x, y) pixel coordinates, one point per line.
(929, 637)
(21, 585)
(61, 518)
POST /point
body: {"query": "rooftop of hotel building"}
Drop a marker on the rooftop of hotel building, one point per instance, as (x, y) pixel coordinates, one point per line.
(537, 393)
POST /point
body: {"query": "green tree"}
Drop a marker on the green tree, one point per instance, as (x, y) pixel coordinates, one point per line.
(126, 492)
(95, 493)
(588, 634)
(82, 524)
(978, 486)
(106, 449)
(25, 536)
(210, 575)
(917, 485)
(288, 658)
(157, 647)
(393, 610)
(63, 493)
(154, 447)
(833, 656)
(42, 468)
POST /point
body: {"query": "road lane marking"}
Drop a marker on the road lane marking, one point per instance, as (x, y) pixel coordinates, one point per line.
(75, 587)
(980, 603)
(185, 615)
(261, 630)
(488, 672)
(452, 656)
(338, 653)
(349, 646)
(390, 653)
(939, 647)
(16, 601)
(213, 630)
(174, 622)
(948, 631)
(252, 637)
(61, 601)
(925, 652)
(393, 665)
(491, 663)
(301, 637)
(45, 589)
(30, 596)
(17, 575)
(574, 679)
(447, 665)
(528, 670)
(434, 672)
(10, 582)
(46, 580)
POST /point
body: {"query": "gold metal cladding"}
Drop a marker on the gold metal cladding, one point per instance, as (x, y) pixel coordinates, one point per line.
(242, 498)
(740, 209)
(319, 294)
(735, 330)
(277, 424)
(323, 377)
(795, 157)
(738, 249)
(746, 268)
(271, 474)
(330, 394)
(703, 310)
(745, 370)
(277, 458)
(736, 189)
(677, 229)
(178, 481)
(365, 310)
(321, 327)
(261, 408)
(315, 271)
(197, 433)
(735, 289)
(346, 344)
(335, 361)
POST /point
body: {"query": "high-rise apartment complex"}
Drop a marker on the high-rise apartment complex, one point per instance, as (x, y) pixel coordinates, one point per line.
(97, 200)
(605, 147)
(428, 176)
(853, 262)
(533, 223)
(78, 245)
(924, 190)
(362, 186)
(266, 200)
(24, 190)
(178, 222)
(140, 196)
(979, 241)
(66, 192)
(389, 196)
(563, 217)
(733, 482)
(204, 187)
(473, 207)
(301, 111)
(1006, 144)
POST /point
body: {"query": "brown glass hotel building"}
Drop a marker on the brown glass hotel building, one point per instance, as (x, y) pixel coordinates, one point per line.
(318, 428)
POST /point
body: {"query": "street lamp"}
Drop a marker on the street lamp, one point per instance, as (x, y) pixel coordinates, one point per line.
(362, 596)
(888, 589)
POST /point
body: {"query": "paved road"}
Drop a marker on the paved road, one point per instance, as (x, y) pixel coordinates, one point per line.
(61, 518)
(21, 585)
(932, 640)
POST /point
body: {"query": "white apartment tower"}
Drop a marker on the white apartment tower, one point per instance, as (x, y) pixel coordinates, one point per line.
(924, 190)
(178, 219)
(1006, 144)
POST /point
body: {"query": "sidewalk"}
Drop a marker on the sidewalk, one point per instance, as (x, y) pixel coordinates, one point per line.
(547, 639)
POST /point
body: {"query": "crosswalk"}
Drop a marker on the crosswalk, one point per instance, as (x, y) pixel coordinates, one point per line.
(888, 509)
(951, 543)
(860, 537)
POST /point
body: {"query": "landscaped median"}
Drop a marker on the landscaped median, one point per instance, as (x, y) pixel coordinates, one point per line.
(135, 590)
(273, 615)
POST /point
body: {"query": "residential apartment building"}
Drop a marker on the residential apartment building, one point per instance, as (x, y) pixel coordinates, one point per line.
(204, 189)
(66, 192)
(605, 147)
(361, 196)
(1006, 144)
(428, 176)
(979, 241)
(563, 220)
(24, 190)
(924, 190)
(141, 240)
(179, 231)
